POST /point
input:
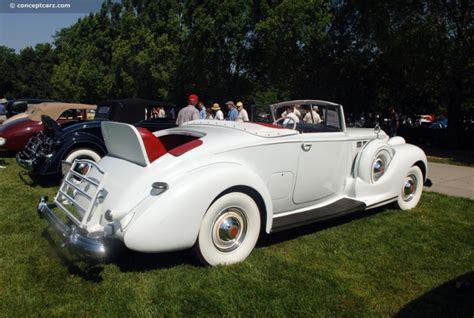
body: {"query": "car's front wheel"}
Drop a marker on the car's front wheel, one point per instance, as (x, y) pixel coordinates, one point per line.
(411, 189)
(229, 230)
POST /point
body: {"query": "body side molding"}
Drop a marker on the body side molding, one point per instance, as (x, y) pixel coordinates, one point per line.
(340, 207)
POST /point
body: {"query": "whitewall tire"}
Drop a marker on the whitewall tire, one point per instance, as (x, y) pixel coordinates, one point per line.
(229, 230)
(411, 189)
(81, 153)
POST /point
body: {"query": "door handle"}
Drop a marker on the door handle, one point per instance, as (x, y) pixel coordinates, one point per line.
(306, 147)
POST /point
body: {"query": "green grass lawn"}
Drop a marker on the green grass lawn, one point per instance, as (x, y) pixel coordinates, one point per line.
(379, 263)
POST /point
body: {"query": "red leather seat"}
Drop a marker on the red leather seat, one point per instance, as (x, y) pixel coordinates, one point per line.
(153, 146)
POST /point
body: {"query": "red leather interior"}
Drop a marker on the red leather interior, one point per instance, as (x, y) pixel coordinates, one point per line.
(175, 145)
(268, 125)
(154, 147)
(178, 151)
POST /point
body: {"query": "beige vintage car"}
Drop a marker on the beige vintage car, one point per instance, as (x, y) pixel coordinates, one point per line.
(17, 130)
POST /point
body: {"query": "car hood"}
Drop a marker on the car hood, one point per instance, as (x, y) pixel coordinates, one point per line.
(364, 133)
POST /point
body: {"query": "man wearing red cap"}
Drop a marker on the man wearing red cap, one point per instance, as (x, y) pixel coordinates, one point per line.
(189, 112)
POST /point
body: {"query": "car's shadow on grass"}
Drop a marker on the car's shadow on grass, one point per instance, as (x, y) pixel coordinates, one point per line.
(126, 260)
(130, 261)
(89, 271)
(36, 181)
(451, 299)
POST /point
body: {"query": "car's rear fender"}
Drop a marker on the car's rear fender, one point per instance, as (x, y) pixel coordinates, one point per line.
(172, 220)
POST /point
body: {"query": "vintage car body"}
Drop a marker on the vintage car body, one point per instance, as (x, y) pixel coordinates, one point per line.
(215, 185)
(44, 154)
(17, 130)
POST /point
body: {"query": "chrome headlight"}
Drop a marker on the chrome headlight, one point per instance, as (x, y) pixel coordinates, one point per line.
(2, 141)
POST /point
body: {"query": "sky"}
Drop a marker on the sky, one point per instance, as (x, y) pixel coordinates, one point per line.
(18, 31)
(33, 26)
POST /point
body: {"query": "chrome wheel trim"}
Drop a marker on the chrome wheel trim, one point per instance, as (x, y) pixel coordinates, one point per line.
(229, 229)
(378, 168)
(409, 188)
(379, 165)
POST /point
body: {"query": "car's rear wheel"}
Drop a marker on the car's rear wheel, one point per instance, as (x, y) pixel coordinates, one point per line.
(81, 153)
(411, 189)
(229, 230)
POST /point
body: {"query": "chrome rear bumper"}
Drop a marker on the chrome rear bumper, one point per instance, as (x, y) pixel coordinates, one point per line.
(24, 163)
(90, 247)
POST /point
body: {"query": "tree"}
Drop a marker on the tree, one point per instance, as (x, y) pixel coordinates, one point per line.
(9, 81)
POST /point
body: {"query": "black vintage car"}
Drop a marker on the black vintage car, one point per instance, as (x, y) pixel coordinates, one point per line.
(50, 153)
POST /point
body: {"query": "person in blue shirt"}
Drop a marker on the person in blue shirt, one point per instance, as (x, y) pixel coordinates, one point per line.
(233, 112)
(202, 110)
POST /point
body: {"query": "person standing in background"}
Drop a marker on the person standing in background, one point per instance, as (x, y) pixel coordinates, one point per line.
(202, 110)
(394, 121)
(312, 116)
(209, 114)
(189, 112)
(233, 112)
(218, 114)
(243, 115)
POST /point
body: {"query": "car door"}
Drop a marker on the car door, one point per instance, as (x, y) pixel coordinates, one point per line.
(323, 162)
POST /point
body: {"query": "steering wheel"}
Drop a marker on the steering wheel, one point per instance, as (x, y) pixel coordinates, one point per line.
(285, 122)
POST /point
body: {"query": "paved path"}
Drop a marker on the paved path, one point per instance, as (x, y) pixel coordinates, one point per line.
(451, 180)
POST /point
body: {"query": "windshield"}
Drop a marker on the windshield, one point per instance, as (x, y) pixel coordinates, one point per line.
(310, 116)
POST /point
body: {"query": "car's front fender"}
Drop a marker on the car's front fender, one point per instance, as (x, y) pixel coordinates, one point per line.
(70, 142)
(172, 220)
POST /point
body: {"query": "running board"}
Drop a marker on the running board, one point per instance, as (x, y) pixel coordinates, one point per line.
(338, 208)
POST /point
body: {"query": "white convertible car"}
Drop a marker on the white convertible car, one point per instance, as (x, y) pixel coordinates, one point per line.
(215, 186)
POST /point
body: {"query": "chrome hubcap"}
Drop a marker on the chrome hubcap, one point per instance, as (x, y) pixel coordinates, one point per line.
(229, 229)
(409, 188)
(378, 168)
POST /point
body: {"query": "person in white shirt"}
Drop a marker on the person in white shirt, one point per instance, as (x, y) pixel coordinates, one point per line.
(158, 112)
(295, 111)
(189, 112)
(290, 116)
(243, 115)
(219, 115)
(312, 116)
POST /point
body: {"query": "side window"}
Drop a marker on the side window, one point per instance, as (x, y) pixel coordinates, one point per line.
(319, 118)
(70, 114)
(103, 111)
(159, 112)
(333, 120)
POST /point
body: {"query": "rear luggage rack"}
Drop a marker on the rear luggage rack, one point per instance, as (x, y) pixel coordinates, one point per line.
(80, 191)
(38, 145)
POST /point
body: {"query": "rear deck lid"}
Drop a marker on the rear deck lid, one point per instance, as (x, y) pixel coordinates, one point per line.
(124, 141)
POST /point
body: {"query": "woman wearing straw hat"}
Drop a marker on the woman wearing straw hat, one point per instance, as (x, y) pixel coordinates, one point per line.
(219, 115)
